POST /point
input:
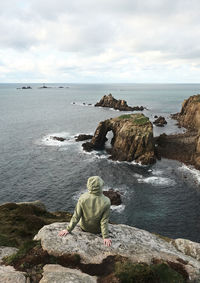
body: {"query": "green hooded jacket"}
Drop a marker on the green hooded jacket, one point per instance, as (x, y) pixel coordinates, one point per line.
(92, 209)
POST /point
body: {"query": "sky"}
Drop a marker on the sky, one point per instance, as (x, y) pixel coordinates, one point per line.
(100, 41)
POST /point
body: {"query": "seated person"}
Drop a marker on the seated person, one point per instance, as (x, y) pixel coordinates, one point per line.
(92, 210)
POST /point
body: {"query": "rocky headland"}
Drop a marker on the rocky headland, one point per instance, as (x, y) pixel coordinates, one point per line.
(132, 138)
(135, 255)
(121, 105)
(184, 147)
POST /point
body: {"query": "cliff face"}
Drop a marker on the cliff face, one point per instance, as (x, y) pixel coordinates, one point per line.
(184, 147)
(111, 102)
(132, 138)
(189, 117)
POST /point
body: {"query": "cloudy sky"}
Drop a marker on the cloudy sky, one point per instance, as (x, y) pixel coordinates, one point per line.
(98, 41)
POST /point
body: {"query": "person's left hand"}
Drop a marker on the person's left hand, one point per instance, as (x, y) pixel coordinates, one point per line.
(63, 233)
(107, 242)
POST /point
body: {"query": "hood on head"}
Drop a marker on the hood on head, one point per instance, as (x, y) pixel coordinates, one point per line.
(95, 185)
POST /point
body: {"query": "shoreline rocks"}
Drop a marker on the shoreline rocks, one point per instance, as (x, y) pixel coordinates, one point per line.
(83, 137)
(132, 138)
(121, 105)
(114, 196)
(160, 122)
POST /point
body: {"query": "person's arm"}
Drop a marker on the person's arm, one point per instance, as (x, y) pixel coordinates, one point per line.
(104, 226)
(74, 220)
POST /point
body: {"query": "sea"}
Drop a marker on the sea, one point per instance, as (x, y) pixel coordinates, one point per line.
(163, 198)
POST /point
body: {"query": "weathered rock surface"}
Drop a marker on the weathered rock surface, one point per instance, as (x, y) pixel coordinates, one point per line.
(135, 244)
(57, 273)
(6, 251)
(189, 117)
(9, 275)
(188, 247)
(184, 147)
(160, 122)
(111, 102)
(132, 138)
(114, 196)
(83, 137)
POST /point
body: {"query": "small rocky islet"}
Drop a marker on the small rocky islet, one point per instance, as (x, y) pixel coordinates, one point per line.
(81, 257)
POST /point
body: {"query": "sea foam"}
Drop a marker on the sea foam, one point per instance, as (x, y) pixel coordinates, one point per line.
(49, 141)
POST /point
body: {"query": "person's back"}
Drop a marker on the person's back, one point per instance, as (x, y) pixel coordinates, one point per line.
(92, 210)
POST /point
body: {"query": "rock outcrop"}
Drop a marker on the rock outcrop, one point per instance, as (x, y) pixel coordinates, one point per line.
(132, 138)
(188, 247)
(57, 138)
(6, 251)
(110, 102)
(57, 273)
(160, 122)
(83, 137)
(134, 244)
(189, 117)
(184, 147)
(114, 196)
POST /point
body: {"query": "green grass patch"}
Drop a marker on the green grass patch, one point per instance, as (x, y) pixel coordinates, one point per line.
(125, 116)
(141, 120)
(142, 273)
(24, 249)
(20, 223)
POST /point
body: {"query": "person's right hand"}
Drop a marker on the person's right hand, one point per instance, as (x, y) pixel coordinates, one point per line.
(63, 233)
(107, 242)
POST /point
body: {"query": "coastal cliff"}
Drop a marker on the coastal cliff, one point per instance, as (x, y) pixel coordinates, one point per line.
(132, 138)
(135, 254)
(184, 147)
(189, 117)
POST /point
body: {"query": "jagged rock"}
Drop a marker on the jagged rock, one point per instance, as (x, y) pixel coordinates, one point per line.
(111, 102)
(135, 244)
(6, 251)
(9, 275)
(160, 122)
(114, 196)
(26, 87)
(57, 138)
(57, 273)
(132, 138)
(189, 117)
(188, 247)
(83, 137)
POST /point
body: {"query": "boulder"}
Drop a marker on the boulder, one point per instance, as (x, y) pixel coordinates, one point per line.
(83, 137)
(160, 122)
(110, 102)
(132, 138)
(57, 273)
(114, 196)
(135, 244)
(6, 251)
(9, 275)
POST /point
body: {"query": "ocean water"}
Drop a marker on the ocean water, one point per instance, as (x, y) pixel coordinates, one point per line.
(163, 198)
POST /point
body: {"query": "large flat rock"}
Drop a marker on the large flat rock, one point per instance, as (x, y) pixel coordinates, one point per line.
(9, 275)
(55, 273)
(136, 244)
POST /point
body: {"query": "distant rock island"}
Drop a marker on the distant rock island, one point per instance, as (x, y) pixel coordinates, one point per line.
(184, 147)
(110, 102)
(132, 138)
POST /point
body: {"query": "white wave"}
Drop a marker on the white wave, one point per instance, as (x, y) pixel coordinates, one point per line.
(157, 181)
(157, 172)
(48, 139)
(82, 104)
(118, 208)
(192, 171)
